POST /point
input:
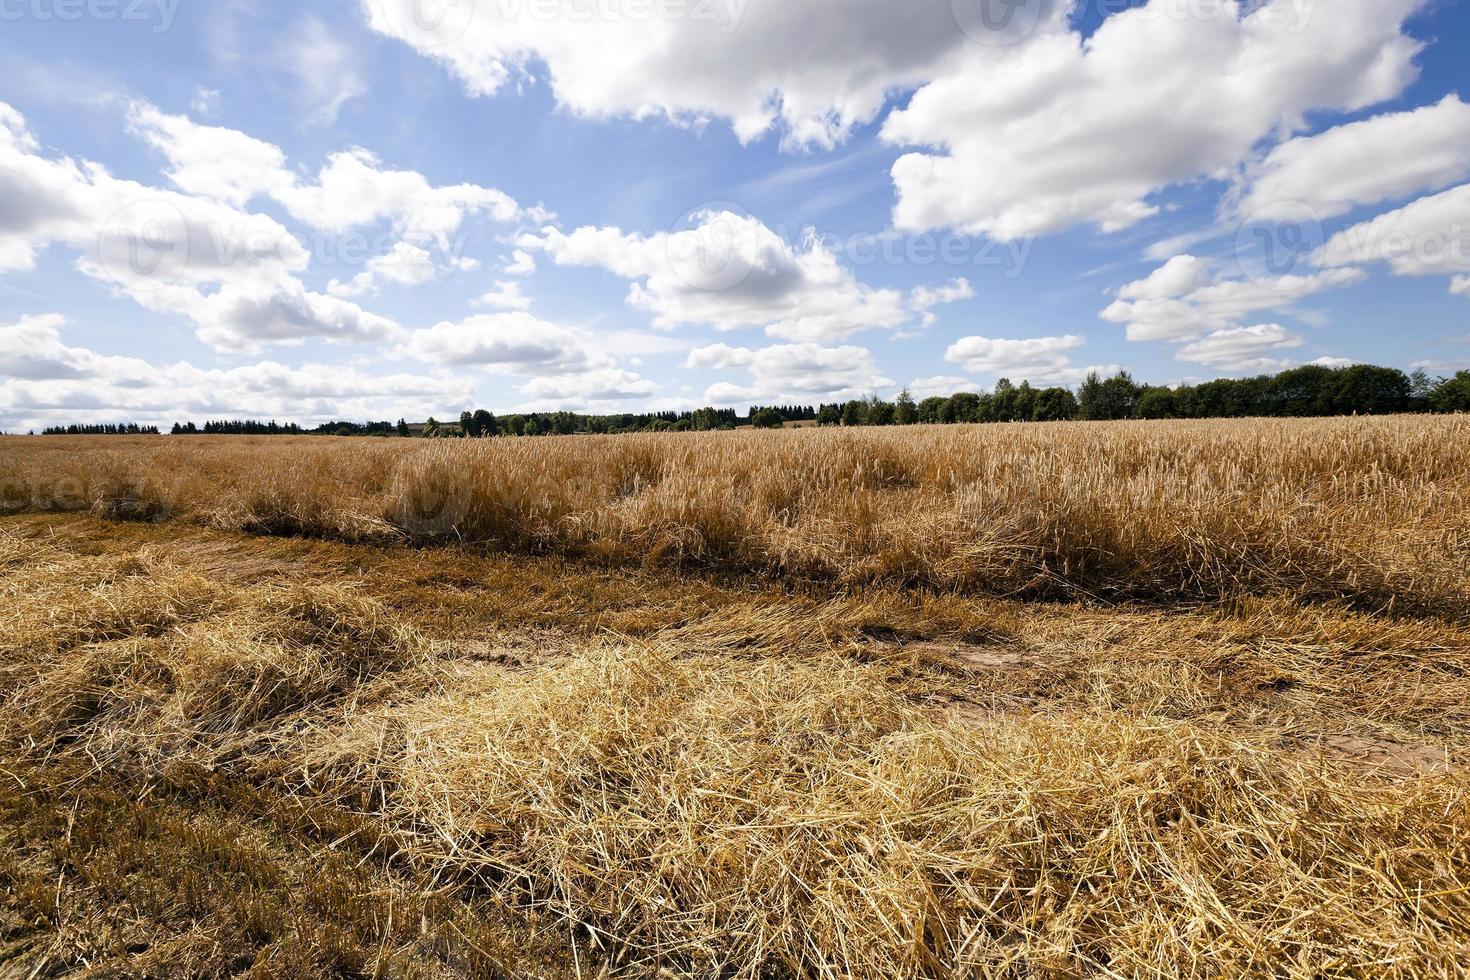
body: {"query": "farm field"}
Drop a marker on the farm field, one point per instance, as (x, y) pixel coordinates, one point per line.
(1124, 699)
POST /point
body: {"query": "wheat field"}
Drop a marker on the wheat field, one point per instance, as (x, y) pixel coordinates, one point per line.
(1131, 700)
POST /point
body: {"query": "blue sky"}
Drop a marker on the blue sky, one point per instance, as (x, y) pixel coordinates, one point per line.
(405, 207)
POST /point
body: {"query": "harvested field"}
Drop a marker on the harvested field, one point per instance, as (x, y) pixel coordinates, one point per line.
(1177, 699)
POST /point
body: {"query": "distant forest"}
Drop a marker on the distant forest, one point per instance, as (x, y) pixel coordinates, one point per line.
(1304, 392)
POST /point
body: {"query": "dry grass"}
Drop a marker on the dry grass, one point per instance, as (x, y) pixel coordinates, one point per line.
(1369, 511)
(246, 728)
(743, 820)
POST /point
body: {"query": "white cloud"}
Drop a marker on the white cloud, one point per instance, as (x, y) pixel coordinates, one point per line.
(1428, 237)
(353, 189)
(1388, 156)
(1059, 131)
(795, 372)
(925, 297)
(31, 350)
(508, 343)
(404, 264)
(816, 67)
(1181, 300)
(243, 317)
(51, 383)
(1180, 275)
(505, 296)
(522, 263)
(1034, 359)
(576, 391)
(720, 356)
(1332, 362)
(731, 271)
(941, 386)
(211, 161)
(231, 272)
(1460, 286)
(1243, 349)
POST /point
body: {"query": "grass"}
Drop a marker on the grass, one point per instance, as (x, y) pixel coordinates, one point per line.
(1368, 511)
(277, 728)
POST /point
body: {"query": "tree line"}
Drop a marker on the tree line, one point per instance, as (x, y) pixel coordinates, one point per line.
(481, 423)
(1304, 392)
(123, 429)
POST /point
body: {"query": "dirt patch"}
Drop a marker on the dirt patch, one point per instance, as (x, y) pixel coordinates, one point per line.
(1392, 758)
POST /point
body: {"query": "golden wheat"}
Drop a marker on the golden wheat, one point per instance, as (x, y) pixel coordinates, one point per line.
(1368, 510)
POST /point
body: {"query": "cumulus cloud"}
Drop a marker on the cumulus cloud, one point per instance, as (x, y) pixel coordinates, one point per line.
(505, 296)
(522, 263)
(48, 382)
(1387, 156)
(567, 368)
(512, 342)
(353, 189)
(731, 271)
(212, 161)
(925, 297)
(1243, 349)
(1429, 237)
(815, 67)
(1183, 299)
(1041, 359)
(795, 372)
(404, 264)
(233, 273)
(1179, 276)
(599, 386)
(1037, 137)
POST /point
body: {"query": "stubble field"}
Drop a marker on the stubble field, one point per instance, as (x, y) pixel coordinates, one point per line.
(1135, 699)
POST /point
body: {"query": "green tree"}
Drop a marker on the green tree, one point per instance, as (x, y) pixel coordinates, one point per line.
(1108, 400)
(931, 408)
(1157, 403)
(467, 425)
(1421, 386)
(1451, 394)
(880, 412)
(1367, 390)
(1301, 392)
(854, 413)
(1054, 405)
(964, 406)
(767, 418)
(485, 424)
(905, 412)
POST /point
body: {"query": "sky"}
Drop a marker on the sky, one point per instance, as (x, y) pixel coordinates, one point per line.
(374, 209)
